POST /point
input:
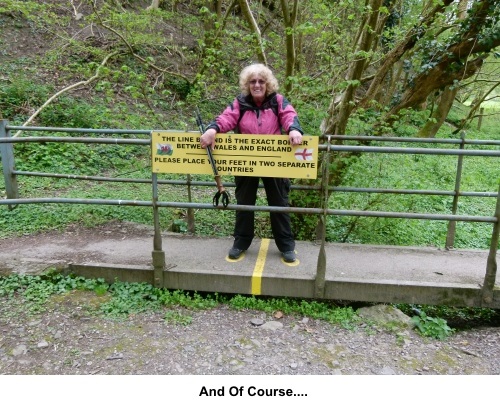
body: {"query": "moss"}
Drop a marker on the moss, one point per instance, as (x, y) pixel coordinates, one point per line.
(88, 300)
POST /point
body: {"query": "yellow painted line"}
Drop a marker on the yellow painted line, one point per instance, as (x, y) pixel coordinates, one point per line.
(259, 267)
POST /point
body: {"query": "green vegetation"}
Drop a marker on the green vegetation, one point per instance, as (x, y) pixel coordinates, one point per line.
(415, 172)
(456, 318)
(432, 327)
(329, 312)
(35, 294)
(120, 300)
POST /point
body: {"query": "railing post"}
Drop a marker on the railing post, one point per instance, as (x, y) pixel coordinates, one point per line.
(190, 211)
(319, 282)
(158, 253)
(452, 225)
(491, 263)
(8, 164)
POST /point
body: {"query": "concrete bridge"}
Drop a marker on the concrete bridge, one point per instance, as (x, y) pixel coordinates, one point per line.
(420, 275)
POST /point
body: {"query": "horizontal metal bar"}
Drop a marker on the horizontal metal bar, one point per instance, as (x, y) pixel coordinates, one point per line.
(78, 130)
(409, 151)
(232, 184)
(332, 148)
(436, 217)
(84, 201)
(410, 140)
(66, 139)
(414, 192)
(356, 213)
(314, 211)
(334, 137)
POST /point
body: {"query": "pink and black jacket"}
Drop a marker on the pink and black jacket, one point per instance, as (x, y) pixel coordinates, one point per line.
(274, 116)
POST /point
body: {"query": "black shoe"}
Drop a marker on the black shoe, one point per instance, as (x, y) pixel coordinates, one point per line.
(235, 253)
(289, 256)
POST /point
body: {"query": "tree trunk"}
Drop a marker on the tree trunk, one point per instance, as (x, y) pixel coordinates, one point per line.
(338, 113)
(438, 78)
(394, 77)
(445, 102)
(155, 4)
(398, 51)
(290, 18)
(247, 13)
(456, 55)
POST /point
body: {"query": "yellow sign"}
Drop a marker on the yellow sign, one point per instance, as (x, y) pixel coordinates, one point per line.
(236, 155)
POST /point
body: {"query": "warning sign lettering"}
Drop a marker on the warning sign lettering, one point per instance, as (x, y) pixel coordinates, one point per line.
(235, 154)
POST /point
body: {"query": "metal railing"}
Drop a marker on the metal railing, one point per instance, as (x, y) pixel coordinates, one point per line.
(331, 145)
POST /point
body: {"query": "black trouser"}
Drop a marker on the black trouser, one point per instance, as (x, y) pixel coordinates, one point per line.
(277, 190)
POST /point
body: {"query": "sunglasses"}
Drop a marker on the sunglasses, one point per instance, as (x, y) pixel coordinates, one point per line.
(254, 82)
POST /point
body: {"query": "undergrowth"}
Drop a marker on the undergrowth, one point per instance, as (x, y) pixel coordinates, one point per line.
(120, 300)
(458, 318)
(125, 299)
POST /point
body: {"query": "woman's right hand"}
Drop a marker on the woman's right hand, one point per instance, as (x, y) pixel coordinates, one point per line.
(208, 138)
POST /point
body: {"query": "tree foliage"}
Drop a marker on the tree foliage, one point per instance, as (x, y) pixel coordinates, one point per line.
(337, 60)
(348, 66)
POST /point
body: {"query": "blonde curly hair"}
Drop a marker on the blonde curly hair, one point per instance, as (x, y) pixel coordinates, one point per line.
(258, 69)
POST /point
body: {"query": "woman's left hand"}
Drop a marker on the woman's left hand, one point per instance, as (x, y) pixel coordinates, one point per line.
(295, 137)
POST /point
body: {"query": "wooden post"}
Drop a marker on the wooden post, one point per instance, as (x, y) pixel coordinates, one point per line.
(480, 119)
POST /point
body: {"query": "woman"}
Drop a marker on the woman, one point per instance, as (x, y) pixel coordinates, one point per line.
(259, 109)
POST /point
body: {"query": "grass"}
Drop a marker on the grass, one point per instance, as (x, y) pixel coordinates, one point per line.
(419, 172)
(119, 300)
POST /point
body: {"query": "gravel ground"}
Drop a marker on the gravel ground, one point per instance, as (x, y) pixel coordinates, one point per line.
(65, 340)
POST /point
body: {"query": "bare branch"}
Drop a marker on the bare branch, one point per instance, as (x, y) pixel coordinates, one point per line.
(476, 106)
(247, 12)
(66, 89)
(155, 4)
